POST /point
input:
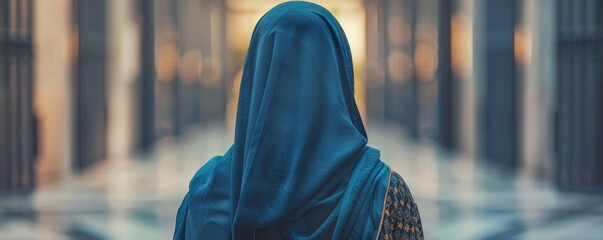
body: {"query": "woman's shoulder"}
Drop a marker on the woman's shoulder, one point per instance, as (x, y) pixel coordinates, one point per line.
(397, 184)
(401, 219)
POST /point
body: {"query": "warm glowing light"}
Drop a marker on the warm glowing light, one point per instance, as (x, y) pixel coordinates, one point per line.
(166, 62)
(462, 45)
(190, 66)
(240, 28)
(267, 4)
(523, 44)
(425, 62)
(353, 22)
(242, 15)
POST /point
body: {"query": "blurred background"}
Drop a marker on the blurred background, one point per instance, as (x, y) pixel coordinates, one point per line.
(492, 110)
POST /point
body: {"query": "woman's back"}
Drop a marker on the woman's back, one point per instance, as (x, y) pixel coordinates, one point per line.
(299, 167)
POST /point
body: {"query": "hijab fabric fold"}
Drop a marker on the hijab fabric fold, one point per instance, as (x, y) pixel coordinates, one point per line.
(300, 167)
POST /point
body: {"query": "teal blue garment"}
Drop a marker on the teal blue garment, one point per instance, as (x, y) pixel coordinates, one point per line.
(300, 167)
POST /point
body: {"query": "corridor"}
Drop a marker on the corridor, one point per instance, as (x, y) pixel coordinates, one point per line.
(491, 110)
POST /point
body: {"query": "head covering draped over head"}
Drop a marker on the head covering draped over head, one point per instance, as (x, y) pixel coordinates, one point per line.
(299, 166)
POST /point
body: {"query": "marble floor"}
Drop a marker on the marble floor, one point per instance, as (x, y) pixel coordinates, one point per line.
(137, 197)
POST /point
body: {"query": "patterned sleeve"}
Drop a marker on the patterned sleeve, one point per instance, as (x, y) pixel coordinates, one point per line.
(401, 219)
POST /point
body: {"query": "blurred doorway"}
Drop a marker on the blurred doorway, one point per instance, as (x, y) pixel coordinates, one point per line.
(17, 121)
(579, 110)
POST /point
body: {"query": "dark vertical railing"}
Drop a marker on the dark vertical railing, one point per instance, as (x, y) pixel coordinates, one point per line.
(146, 95)
(446, 117)
(596, 95)
(33, 133)
(413, 108)
(388, 85)
(4, 176)
(175, 82)
(391, 90)
(562, 117)
(18, 85)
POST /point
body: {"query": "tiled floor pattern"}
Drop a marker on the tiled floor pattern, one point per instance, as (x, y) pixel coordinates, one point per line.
(137, 197)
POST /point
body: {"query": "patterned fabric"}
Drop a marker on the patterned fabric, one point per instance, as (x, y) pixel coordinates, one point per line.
(401, 218)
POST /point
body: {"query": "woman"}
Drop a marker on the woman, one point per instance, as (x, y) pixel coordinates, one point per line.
(299, 167)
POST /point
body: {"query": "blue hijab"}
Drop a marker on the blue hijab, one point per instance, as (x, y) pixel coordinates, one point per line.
(300, 167)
